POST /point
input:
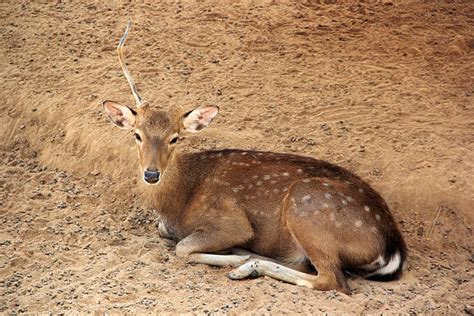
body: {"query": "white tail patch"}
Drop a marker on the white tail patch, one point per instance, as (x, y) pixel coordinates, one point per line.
(391, 266)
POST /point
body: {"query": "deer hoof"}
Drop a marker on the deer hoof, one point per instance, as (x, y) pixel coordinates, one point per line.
(247, 270)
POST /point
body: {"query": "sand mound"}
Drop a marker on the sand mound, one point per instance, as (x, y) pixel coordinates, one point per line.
(383, 89)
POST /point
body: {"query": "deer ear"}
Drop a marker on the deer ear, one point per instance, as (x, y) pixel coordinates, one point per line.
(120, 115)
(199, 118)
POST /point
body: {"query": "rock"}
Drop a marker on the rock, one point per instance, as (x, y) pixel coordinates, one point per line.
(469, 309)
(95, 173)
(147, 302)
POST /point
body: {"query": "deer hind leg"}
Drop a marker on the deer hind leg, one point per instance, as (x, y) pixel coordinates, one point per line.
(320, 248)
(259, 267)
(301, 266)
(238, 257)
(328, 278)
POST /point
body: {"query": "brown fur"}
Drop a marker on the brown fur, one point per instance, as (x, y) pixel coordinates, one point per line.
(300, 211)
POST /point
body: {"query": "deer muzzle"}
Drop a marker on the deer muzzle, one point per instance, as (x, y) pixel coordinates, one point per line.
(151, 176)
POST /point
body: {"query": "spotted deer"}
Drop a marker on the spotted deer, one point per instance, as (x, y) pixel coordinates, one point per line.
(293, 218)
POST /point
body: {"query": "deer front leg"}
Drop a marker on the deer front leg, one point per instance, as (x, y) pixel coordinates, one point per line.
(215, 233)
(193, 246)
(252, 255)
(201, 246)
(218, 260)
(162, 231)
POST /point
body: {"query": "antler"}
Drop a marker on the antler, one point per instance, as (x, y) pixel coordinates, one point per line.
(138, 99)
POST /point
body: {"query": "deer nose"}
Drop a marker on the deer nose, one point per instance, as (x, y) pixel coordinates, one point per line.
(151, 176)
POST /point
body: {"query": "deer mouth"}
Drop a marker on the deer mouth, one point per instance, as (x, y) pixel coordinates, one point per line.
(151, 181)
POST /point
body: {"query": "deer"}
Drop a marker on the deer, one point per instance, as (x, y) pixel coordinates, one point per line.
(290, 217)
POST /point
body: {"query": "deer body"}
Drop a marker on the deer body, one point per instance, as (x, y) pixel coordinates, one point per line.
(262, 201)
(293, 216)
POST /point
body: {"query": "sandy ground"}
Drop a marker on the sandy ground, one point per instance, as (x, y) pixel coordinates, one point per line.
(385, 90)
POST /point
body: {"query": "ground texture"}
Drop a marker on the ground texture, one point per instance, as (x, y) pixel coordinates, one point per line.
(384, 89)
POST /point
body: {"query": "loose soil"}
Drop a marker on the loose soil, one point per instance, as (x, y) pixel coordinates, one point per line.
(384, 89)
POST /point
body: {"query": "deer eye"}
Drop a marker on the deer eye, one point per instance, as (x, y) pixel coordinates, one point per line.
(174, 140)
(137, 137)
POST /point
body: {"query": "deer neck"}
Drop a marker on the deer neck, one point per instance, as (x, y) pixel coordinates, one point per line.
(169, 196)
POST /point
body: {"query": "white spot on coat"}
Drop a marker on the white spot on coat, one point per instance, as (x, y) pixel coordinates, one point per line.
(327, 195)
(366, 208)
(306, 198)
(358, 223)
(238, 188)
(217, 181)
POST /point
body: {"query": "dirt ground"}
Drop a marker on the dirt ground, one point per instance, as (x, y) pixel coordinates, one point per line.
(384, 89)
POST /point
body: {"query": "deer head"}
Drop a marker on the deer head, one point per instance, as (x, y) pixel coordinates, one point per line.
(156, 132)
